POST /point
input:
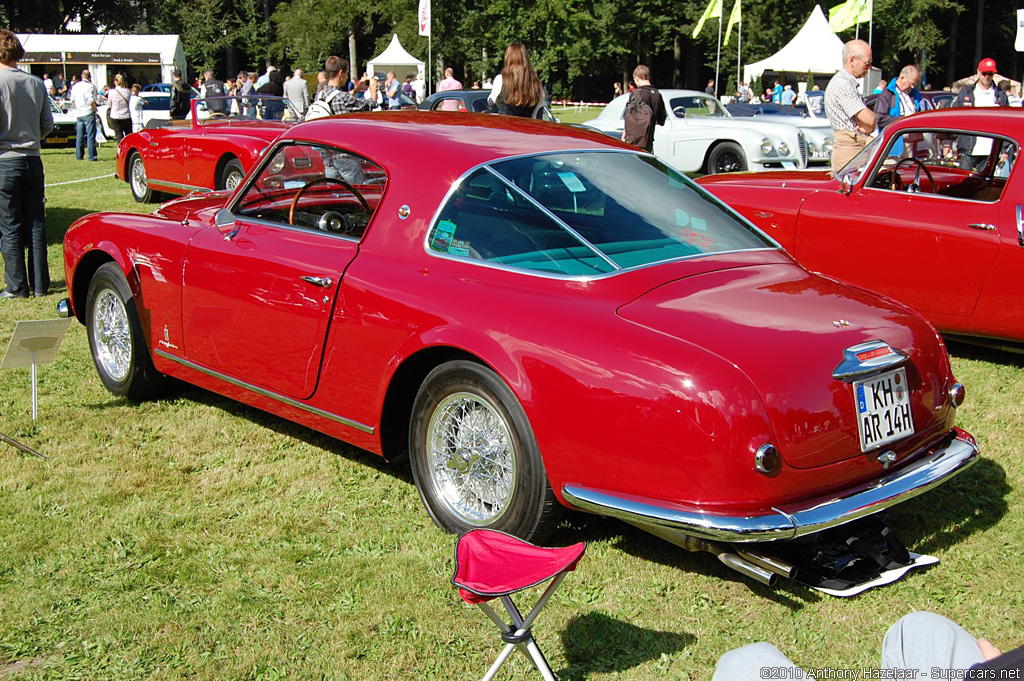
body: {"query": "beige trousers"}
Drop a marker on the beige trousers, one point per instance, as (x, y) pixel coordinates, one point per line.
(846, 145)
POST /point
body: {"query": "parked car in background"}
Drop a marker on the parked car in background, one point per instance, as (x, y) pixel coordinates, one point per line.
(815, 127)
(221, 139)
(934, 99)
(541, 316)
(63, 133)
(471, 101)
(906, 219)
(157, 108)
(700, 135)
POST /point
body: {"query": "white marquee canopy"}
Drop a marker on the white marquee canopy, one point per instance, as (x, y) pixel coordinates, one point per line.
(99, 51)
(396, 59)
(814, 49)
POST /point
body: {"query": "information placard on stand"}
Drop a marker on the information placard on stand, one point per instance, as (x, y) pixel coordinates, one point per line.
(33, 343)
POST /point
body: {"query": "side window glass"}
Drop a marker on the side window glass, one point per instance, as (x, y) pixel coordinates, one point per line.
(449, 104)
(948, 163)
(487, 220)
(315, 187)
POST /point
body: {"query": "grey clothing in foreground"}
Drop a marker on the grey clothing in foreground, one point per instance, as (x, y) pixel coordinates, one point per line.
(25, 116)
(922, 641)
(296, 91)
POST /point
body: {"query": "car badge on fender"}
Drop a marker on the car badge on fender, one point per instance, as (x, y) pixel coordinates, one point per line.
(840, 323)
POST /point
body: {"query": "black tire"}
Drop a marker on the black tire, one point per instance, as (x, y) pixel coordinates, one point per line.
(116, 340)
(463, 410)
(136, 172)
(231, 176)
(727, 157)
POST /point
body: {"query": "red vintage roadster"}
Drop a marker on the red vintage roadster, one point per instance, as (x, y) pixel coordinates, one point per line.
(543, 318)
(213, 148)
(929, 214)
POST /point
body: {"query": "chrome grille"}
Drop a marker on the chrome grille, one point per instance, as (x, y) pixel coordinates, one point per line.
(802, 142)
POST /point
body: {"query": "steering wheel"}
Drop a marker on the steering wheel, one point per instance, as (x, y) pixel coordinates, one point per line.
(217, 114)
(679, 111)
(323, 180)
(915, 186)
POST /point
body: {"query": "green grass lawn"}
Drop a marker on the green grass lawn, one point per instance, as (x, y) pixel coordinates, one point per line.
(194, 538)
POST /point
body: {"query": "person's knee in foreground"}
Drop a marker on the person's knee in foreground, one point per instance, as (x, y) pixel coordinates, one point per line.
(922, 645)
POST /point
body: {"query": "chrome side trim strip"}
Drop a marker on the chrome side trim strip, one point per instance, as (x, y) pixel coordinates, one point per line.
(179, 185)
(266, 393)
(790, 521)
(851, 367)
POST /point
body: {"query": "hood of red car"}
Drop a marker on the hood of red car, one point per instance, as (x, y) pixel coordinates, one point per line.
(787, 330)
(790, 179)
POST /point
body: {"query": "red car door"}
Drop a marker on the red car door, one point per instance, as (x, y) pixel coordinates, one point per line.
(929, 251)
(165, 154)
(257, 307)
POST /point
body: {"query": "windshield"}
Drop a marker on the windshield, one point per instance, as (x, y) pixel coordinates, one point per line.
(853, 171)
(585, 213)
(696, 106)
(252, 107)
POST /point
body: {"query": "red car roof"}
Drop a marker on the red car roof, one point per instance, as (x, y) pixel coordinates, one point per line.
(453, 140)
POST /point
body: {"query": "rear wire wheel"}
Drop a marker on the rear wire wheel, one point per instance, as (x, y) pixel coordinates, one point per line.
(474, 456)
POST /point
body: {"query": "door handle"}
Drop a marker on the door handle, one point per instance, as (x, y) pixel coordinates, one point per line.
(322, 282)
(982, 226)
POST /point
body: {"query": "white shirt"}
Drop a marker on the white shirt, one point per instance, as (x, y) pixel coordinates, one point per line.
(135, 105)
(907, 106)
(982, 97)
(83, 96)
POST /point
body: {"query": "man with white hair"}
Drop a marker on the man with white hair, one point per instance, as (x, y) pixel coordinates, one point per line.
(296, 91)
(850, 118)
(900, 97)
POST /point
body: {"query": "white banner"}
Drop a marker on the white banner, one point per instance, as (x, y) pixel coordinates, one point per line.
(424, 17)
(1020, 31)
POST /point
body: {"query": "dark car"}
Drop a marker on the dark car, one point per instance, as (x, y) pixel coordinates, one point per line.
(472, 101)
(936, 99)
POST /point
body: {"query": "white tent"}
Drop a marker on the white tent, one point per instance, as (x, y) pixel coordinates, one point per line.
(814, 49)
(56, 51)
(396, 59)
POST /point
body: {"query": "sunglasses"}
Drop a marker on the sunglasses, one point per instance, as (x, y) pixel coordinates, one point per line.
(988, 73)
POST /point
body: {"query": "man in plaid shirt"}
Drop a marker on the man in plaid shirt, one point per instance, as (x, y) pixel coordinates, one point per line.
(336, 69)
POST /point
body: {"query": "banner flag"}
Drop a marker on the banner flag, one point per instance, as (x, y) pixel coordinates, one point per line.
(849, 14)
(714, 10)
(424, 17)
(734, 18)
(1019, 45)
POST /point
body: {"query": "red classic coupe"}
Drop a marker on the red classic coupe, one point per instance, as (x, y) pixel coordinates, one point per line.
(542, 317)
(213, 148)
(929, 213)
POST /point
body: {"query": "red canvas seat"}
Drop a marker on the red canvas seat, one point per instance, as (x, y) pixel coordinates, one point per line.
(491, 564)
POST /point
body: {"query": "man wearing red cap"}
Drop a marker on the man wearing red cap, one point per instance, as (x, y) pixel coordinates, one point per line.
(974, 152)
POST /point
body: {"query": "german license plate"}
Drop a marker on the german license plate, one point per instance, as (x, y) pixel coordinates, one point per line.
(883, 409)
(57, 140)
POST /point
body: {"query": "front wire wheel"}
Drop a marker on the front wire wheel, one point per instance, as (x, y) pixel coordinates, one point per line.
(474, 457)
(115, 337)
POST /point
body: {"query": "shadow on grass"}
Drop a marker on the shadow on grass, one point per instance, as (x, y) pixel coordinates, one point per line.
(965, 350)
(640, 544)
(58, 220)
(596, 643)
(969, 503)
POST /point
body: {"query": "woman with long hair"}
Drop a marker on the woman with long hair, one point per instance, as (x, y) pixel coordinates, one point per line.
(521, 90)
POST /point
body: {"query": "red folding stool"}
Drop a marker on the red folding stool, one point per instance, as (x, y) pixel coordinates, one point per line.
(491, 564)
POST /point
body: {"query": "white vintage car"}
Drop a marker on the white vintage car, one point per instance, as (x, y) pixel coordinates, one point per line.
(699, 135)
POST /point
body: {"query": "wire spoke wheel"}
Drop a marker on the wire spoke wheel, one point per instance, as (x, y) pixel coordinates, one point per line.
(471, 458)
(111, 335)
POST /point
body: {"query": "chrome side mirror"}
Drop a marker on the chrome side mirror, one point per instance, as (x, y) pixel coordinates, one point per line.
(845, 186)
(226, 224)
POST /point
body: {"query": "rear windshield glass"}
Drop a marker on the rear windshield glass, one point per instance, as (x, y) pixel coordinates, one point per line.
(585, 213)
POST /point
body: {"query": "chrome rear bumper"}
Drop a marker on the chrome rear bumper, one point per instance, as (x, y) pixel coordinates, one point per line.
(788, 521)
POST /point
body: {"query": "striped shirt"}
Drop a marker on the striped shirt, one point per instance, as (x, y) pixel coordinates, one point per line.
(843, 101)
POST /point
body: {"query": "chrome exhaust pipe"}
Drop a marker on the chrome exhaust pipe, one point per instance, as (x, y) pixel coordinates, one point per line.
(768, 562)
(723, 552)
(747, 568)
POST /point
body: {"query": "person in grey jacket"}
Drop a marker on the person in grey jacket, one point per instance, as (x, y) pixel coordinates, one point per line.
(25, 119)
(296, 91)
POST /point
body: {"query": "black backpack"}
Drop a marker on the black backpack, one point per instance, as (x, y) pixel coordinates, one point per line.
(639, 120)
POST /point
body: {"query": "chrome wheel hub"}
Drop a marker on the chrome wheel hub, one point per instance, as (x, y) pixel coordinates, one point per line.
(471, 458)
(111, 335)
(232, 181)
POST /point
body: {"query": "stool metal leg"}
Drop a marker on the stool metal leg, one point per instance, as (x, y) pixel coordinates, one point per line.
(520, 628)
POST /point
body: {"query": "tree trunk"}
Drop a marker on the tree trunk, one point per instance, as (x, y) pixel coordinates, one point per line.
(951, 73)
(353, 71)
(979, 35)
(677, 61)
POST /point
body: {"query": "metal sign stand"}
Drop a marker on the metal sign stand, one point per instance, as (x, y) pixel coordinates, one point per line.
(18, 445)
